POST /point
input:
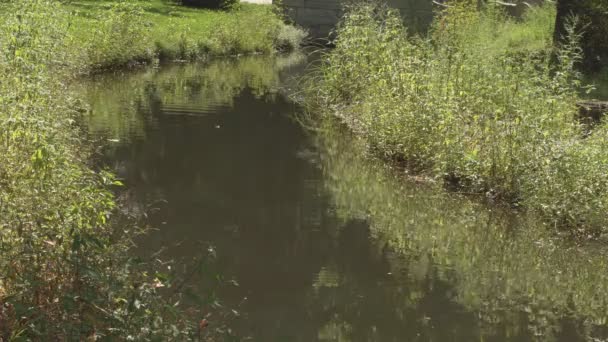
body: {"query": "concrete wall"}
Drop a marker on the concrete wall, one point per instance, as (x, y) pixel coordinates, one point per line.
(321, 16)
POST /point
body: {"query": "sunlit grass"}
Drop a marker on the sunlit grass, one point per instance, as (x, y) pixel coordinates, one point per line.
(531, 33)
(185, 32)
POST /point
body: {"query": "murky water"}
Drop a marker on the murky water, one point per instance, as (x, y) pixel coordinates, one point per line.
(324, 244)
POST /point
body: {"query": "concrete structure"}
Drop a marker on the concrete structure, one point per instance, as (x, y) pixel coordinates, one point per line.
(321, 16)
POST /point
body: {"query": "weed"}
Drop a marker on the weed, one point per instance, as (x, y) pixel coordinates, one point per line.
(66, 268)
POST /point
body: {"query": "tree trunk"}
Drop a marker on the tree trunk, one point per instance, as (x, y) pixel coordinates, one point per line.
(565, 8)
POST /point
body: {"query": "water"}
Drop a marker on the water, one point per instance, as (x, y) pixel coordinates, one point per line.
(324, 244)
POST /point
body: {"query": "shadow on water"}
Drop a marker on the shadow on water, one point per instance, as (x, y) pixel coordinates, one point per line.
(326, 245)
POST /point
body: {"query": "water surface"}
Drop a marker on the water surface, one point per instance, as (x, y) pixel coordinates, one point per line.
(325, 244)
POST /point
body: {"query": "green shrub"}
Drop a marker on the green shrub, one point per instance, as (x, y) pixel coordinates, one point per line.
(478, 103)
(571, 188)
(117, 33)
(290, 37)
(66, 271)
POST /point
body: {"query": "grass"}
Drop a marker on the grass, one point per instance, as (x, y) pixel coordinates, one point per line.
(106, 34)
(186, 33)
(478, 103)
(66, 270)
(530, 35)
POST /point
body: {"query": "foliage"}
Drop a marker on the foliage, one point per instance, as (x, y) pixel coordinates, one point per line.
(572, 186)
(66, 266)
(187, 33)
(119, 35)
(477, 103)
(177, 32)
(109, 34)
(290, 38)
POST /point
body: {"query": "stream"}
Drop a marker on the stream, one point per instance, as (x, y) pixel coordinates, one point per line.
(314, 241)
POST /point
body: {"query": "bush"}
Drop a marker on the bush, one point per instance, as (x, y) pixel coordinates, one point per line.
(115, 34)
(66, 270)
(572, 187)
(472, 104)
(290, 38)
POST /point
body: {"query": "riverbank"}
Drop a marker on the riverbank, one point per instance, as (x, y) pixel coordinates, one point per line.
(477, 104)
(66, 271)
(109, 34)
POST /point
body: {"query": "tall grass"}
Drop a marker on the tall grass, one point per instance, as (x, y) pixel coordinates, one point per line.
(66, 268)
(478, 103)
